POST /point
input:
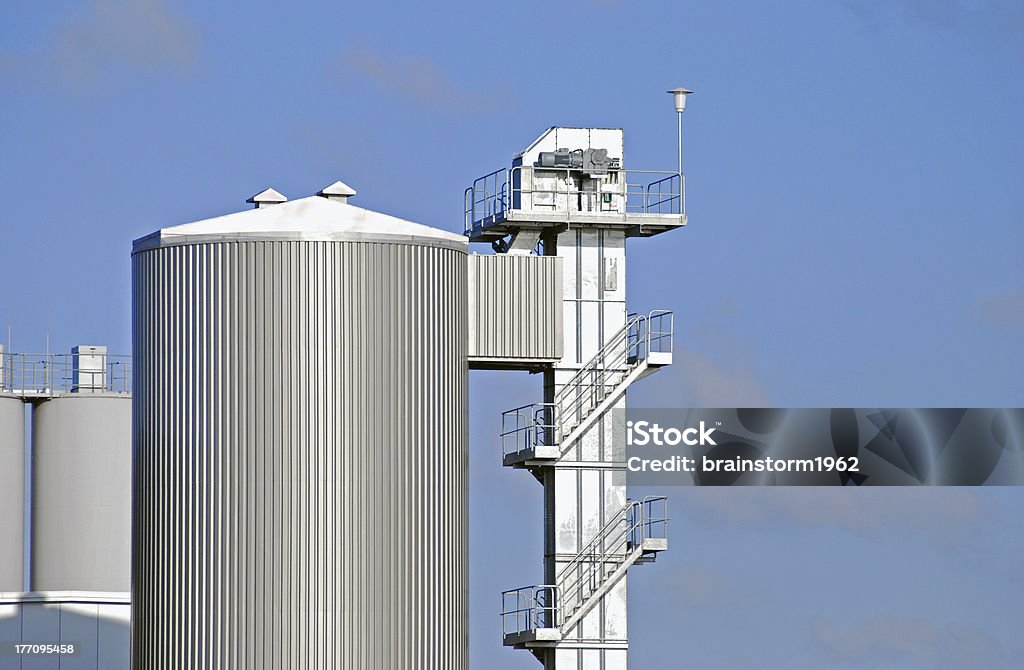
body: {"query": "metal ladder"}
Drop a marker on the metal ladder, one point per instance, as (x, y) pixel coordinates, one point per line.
(541, 615)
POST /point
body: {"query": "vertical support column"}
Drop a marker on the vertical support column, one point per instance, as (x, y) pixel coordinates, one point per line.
(588, 485)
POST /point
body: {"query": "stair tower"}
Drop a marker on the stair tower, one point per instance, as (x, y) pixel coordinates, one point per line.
(570, 195)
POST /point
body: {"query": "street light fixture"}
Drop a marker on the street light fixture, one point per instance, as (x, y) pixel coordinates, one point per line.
(679, 98)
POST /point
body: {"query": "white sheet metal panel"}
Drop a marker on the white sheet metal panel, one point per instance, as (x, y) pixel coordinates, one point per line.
(96, 624)
(580, 500)
(81, 493)
(12, 493)
(300, 451)
(515, 309)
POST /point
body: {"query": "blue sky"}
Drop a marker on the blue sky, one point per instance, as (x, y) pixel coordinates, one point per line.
(857, 227)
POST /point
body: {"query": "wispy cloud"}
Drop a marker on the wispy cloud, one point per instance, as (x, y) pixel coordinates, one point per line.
(706, 383)
(416, 77)
(982, 20)
(941, 513)
(698, 587)
(93, 44)
(717, 368)
(916, 643)
(1004, 310)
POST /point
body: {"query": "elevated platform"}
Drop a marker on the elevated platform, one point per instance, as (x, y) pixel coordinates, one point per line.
(539, 454)
(535, 608)
(534, 637)
(573, 177)
(511, 221)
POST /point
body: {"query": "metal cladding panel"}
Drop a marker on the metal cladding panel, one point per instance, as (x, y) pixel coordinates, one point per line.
(300, 480)
(12, 493)
(96, 626)
(81, 493)
(515, 309)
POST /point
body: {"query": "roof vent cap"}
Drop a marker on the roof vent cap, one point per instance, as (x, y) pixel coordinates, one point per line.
(338, 191)
(266, 198)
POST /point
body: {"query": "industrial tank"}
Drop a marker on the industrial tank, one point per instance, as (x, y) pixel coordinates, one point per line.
(300, 492)
(81, 493)
(12, 493)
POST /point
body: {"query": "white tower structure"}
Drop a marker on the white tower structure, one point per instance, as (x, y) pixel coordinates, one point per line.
(569, 195)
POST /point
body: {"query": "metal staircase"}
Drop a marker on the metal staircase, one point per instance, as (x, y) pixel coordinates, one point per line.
(540, 436)
(540, 616)
(540, 433)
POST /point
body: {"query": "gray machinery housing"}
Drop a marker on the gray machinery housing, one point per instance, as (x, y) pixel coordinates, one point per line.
(300, 441)
(587, 161)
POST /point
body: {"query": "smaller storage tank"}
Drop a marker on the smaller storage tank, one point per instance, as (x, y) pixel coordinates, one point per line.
(12, 493)
(81, 493)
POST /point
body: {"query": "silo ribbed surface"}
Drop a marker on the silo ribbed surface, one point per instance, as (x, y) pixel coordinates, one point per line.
(12, 493)
(300, 443)
(81, 493)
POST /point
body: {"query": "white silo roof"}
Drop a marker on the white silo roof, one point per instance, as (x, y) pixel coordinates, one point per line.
(312, 218)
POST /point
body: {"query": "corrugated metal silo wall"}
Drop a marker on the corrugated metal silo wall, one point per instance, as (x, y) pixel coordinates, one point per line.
(300, 480)
(515, 307)
(12, 493)
(81, 493)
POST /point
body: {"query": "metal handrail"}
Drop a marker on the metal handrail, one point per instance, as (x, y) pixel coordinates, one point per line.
(652, 522)
(528, 608)
(527, 427)
(44, 374)
(550, 605)
(641, 334)
(665, 198)
(598, 540)
(502, 191)
(582, 576)
(652, 333)
(589, 385)
(585, 574)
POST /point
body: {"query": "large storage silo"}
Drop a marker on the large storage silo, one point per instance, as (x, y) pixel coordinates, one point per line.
(81, 492)
(12, 493)
(300, 437)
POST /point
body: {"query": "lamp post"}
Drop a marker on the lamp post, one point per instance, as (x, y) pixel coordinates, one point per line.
(679, 98)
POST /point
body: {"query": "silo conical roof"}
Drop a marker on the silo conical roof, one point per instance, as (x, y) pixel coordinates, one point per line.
(312, 218)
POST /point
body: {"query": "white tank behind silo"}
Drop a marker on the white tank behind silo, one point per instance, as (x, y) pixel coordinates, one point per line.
(300, 441)
(81, 492)
(12, 493)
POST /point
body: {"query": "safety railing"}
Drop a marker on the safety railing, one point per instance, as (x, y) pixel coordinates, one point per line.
(589, 569)
(551, 606)
(42, 374)
(649, 333)
(573, 192)
(528, 427)
(648, 520)
(607, 551)
(487, 198)
(665, 196)
(592, 383)
(529, 608)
